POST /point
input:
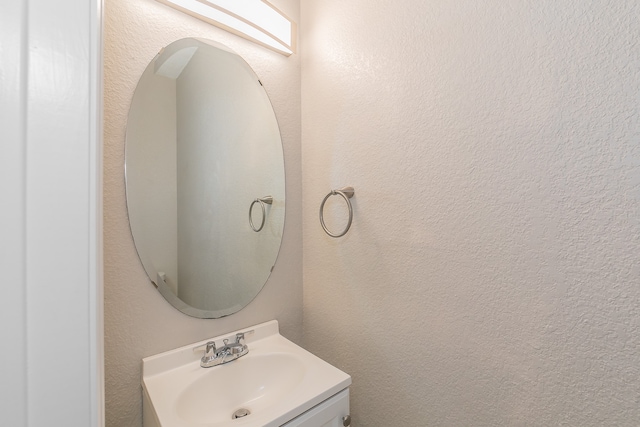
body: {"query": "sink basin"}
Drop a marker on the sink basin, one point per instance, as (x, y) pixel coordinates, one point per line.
(252, 382)
(275, 382)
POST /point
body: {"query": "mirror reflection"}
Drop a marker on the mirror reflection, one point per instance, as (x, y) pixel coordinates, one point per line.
(204, 178)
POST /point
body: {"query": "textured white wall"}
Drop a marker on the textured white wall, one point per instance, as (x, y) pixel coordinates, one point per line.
(138, 321)
(491, 276)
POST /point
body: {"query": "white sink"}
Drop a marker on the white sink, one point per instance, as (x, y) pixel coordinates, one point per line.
(276, 381)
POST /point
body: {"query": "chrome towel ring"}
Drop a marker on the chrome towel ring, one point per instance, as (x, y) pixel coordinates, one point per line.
(346, 193)
(266, 200)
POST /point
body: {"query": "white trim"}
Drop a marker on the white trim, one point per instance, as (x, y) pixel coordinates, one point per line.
(96, 295)
(13, 369)
(50, 117)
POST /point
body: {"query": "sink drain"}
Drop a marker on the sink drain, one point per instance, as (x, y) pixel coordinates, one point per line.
(242, 412)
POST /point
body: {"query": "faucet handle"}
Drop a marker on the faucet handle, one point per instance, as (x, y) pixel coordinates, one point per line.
(209, 354)
(239, 337)
(211, 348)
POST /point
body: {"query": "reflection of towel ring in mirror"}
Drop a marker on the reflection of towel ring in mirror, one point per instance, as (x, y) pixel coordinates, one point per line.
(346, 193)
(266, 200)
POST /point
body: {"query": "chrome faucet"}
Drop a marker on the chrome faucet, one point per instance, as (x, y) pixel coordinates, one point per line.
(227, 353)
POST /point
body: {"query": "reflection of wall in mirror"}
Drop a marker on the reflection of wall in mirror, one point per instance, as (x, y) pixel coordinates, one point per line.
(226, 157)
(152, 125)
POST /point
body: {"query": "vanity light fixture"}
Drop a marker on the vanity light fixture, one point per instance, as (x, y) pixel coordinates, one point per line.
(256, 20)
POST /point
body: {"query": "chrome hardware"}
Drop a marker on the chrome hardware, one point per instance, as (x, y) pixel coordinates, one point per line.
(225, 354)
(268, 200)
(240, 413)
(346, 421)
(210, 354)
(346, 193)
(238, 345)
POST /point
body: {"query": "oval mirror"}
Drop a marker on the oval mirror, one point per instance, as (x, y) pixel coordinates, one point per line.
(204, 178)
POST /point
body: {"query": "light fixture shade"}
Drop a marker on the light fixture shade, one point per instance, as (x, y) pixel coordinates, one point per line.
(256, 20)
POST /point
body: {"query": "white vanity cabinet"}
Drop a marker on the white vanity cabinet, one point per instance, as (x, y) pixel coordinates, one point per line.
(330, 413)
